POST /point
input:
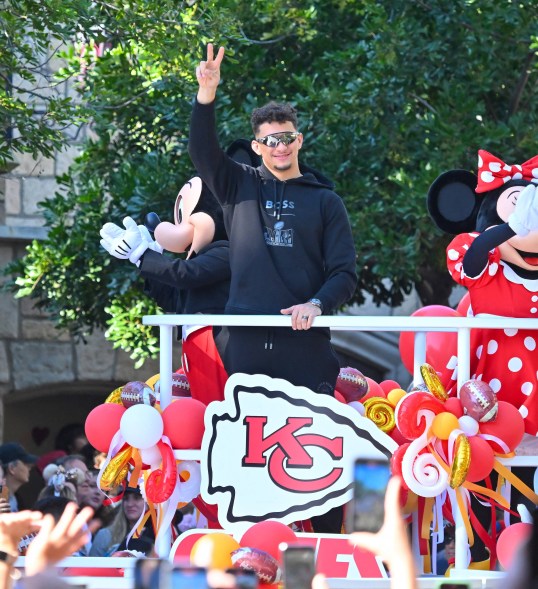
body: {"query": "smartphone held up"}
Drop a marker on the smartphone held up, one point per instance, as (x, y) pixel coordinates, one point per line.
(299, 565)
(366, 511)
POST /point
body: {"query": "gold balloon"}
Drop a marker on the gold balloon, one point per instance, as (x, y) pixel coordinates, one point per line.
(381, 412)
(152, 380)
(431, 380)
(461, 462)
(116, 470)
(115, 396)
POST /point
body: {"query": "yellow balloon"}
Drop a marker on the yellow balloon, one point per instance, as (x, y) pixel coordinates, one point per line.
(381, 412)
(152, 380)
(443, 424)
(461, 463)
(432, 381)
(116, 470)
(115, 396)
(395, 396)
(213, 551)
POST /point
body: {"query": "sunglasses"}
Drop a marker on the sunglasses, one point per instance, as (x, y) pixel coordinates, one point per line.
(273, 140)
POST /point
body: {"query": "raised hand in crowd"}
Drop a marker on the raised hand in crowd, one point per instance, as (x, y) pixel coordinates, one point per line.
(13, 526)
(391, 543)
(56, 541)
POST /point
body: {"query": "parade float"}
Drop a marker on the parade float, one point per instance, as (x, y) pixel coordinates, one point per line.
(231, 458)
(267, 456)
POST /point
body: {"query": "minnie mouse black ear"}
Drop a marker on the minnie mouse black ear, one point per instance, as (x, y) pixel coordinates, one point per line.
(453, 203)
(241, 151)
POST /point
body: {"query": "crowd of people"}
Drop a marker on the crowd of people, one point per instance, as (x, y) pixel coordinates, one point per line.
(49, 483)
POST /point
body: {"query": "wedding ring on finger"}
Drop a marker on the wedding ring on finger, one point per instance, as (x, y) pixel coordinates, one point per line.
(305, 317)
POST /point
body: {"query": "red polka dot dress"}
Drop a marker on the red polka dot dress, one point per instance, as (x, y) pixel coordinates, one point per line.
(506, 359)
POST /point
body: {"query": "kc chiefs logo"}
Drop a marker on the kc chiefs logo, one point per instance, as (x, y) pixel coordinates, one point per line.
(275, 451)
(289, 451)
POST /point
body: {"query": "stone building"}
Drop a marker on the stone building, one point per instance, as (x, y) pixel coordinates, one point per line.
(46, 379)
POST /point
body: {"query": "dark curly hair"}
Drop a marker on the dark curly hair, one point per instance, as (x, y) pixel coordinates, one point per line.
(273, 112)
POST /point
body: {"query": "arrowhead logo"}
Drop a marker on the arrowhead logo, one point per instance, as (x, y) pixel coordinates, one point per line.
(276, 451)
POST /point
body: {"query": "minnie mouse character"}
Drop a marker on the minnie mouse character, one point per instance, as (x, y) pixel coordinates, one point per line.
(495, 256)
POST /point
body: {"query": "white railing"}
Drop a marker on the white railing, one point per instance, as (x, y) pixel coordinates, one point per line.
(420, 325)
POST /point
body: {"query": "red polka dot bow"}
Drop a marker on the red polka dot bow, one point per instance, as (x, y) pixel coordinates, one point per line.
(493, 172)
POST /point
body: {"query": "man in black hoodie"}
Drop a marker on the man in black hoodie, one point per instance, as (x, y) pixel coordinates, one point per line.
(291, 247)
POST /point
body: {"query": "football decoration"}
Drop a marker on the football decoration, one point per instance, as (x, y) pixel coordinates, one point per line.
(262, 563)
(478, 400)
(352, 384)
(137, 393)
(180, 385)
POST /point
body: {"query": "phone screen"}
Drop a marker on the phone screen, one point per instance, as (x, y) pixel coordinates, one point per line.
(244, 578)
(150, 573)
(299, 564)
(188, 578)
(366, 510)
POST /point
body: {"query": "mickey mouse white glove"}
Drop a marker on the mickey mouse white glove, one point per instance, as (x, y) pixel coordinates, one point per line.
(152, 244)
(524, 219)
(124, 244)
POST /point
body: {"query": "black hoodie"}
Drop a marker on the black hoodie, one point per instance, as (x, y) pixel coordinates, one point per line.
(289, 241)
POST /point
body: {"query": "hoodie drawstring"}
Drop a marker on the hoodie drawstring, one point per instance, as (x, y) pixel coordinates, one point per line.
(269, 340)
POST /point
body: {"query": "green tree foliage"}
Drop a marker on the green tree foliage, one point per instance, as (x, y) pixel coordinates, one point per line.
(390, 93)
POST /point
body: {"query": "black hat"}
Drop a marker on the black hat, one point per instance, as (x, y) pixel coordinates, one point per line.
(135, 490)
(12, 451)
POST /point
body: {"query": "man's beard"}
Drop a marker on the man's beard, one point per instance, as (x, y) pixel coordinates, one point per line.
(283, 167)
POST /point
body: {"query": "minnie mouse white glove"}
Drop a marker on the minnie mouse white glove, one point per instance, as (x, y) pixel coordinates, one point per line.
(124, 244)
(524, 219)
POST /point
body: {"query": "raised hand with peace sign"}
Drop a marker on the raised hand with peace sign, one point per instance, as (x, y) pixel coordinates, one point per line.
(208, 75)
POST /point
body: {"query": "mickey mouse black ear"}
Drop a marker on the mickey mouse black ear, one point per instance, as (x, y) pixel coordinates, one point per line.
(241, 151)
(453, 203)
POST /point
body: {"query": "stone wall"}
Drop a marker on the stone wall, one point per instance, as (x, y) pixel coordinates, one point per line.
(46, 378)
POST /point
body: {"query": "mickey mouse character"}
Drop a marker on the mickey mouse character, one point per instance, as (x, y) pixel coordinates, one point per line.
(197, 284)
(495, 256)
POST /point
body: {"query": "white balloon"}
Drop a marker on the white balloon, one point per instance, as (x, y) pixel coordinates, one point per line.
(141, 426)
(151, 456)
(468, 425)
(358, 406)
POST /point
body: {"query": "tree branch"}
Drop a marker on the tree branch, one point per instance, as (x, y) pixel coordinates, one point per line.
(520, 86)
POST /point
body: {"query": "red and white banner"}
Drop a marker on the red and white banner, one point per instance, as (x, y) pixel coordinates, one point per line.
(335, 556)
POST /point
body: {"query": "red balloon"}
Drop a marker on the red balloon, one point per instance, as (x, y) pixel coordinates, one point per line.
(464, 304)
(409, 423)
(482, 458)
(454, 406)
(102, 423)
(183, 423)
(339, 397)
(508, 426)
(267, 536)
(511, 541)
(440, 346)
(162, 481)
(374, 390)
(396, 462)
(389, 385)
(397, 436)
